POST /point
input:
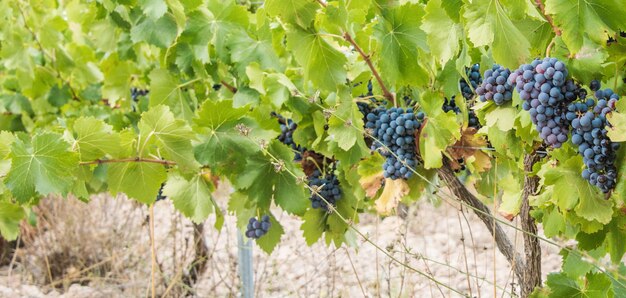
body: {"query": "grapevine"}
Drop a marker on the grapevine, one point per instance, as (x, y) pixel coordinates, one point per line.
(156, 99)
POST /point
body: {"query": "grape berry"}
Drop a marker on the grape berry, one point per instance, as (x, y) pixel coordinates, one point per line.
(256, 229)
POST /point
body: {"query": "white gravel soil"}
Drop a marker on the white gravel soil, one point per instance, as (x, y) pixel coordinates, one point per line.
(435, 254)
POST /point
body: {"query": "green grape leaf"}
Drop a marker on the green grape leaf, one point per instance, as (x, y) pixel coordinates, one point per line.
(438, 131)
(502, 117)
(93, 138)
(43, 165)
(504, 142)
(246, 49)
(553, 222)
(59, 96)
(585, 63)
(570, 188)
(10, 217)
(222, 145)
(562, 286)
(489, 25)
(243, 208)
(590, 241)
(261, 180)
(159, 128)
(246, 96)
(322, 63)
(165, 90)
(228, 18)
(6, 139)
(452, 8)
(299, 12)
(154, 9)
(313, 225)
(597, 285)
(191, 197)
(596, 19)
(116, 79)
(269, 241)
(399, 37)
(160, 33)
(443, 32)
(616, 239)
(138, 180)
(574, 266)
(343, 125)
(448, 79)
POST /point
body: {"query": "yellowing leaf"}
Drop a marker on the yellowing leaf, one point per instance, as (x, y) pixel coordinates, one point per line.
(617, 132)
(392, 194)
(371, 184)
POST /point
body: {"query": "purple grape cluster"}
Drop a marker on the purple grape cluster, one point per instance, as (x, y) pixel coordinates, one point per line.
(366, 107)
(546, 92)
(394, 133)
(450, 105)
(160, 195)
(496, 86)
(329, 191)
(135, 93)
(256, 229)
(473, 74)
(287, 128)
(590, 135)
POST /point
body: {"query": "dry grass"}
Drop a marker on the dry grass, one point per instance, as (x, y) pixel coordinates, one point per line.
(105, 245)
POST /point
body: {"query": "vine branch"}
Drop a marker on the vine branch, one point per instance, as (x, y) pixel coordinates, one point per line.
(532, 247)
(367, 59)
(542, 10)
(482, 211)
(230, 87)
(132, 159)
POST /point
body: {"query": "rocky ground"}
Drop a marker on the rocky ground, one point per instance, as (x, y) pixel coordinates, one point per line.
(102, 249)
